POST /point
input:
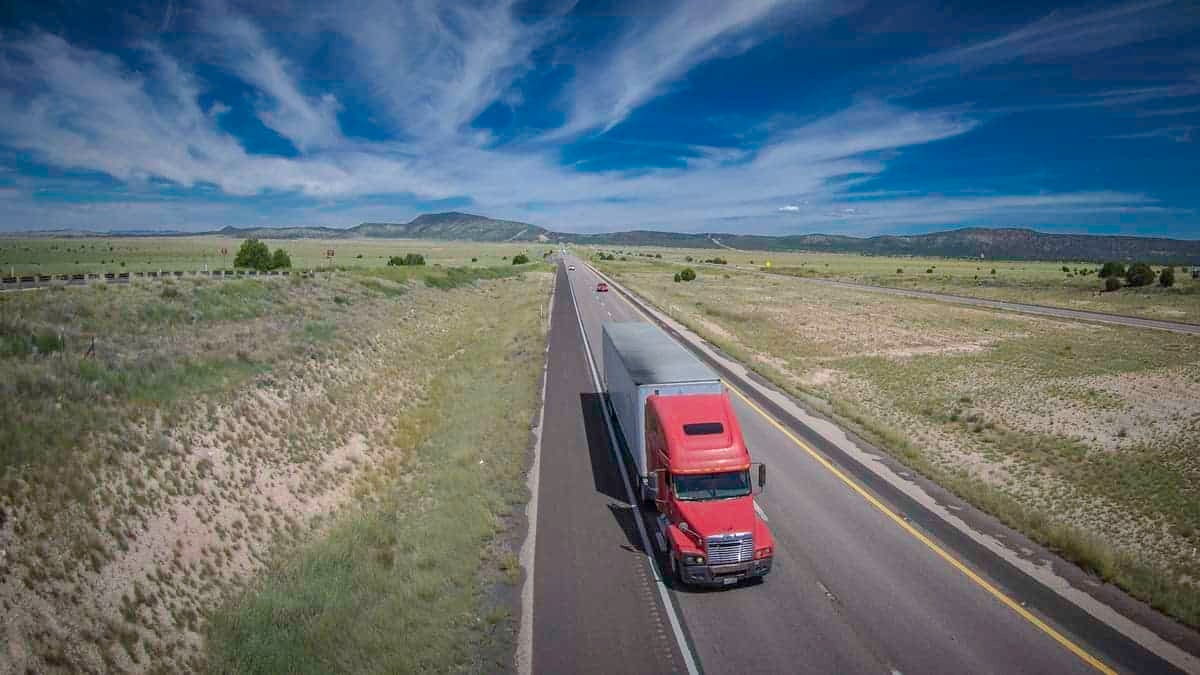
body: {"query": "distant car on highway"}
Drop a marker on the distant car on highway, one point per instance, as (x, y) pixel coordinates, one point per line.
(570, 268)
(601, 287)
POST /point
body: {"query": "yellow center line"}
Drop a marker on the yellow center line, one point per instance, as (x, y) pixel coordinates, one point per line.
(918, 535)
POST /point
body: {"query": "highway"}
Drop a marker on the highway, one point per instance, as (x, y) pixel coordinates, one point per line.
(866, 579)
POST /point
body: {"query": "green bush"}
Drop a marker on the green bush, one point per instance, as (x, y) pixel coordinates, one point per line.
(677, 279)
(408, 259)
(1166, 278)
(717, 261)
(1112, 284)
(688, 258)
(281, 260)
(687, 274)
(993, 270)
(520, 259)
(1139, 274)
(474, 259)
(657, 255)
(253, 254)
(899, 270)
(928, 270)
(1112, 269)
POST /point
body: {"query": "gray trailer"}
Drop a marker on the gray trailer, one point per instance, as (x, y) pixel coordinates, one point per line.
(640, 360)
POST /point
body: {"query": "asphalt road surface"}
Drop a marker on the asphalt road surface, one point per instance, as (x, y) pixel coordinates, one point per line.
(851, 590)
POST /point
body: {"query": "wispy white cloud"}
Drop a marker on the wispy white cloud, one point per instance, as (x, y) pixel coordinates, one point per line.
(790, 208)
(653, 54)
(1069, 34)
(436, 66)
(306, 122)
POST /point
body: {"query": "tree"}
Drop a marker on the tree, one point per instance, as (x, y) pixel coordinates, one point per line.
(1139, 274)
(1166, 278)
(1112, 284)
(687, 274)
(408, 259)
(281, 260)
(253, 254)
(1112, 269)
(520, 259)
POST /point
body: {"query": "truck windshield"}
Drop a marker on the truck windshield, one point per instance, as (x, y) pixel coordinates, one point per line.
(694, 487)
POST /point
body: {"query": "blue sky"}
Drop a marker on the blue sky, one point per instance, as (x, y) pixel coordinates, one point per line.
(761, 116)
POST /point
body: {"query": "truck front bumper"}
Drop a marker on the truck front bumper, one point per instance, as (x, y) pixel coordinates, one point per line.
(724, 575)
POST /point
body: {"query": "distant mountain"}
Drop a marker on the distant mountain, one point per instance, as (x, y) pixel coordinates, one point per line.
(1007, 244)
(455, 225)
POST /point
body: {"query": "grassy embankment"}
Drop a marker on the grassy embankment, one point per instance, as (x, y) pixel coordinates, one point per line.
(218, 423)
(1084, 437)
(1043, 283)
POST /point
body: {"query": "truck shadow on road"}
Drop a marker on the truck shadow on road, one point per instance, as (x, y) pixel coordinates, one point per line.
(606, 475)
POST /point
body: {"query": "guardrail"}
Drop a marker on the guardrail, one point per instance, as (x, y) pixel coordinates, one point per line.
(27, 281)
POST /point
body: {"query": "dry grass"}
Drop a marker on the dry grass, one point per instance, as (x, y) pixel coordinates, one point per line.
(215, 428)
(1085, 436)
(1036, 282)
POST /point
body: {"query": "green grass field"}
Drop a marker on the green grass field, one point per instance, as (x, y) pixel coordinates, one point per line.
(1038, 282)
(144, 254)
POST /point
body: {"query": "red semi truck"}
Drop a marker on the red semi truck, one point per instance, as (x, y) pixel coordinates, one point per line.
(687, 449)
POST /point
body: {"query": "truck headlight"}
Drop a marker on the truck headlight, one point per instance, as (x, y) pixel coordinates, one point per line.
(693, 559)
(763, 553)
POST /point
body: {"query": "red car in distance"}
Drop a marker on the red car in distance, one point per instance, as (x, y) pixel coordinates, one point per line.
(601, 287)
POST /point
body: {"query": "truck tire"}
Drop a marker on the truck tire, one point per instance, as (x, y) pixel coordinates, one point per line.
(676, 573)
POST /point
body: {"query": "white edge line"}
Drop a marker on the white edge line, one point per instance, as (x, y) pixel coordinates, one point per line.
(529, 546)
(688, 658)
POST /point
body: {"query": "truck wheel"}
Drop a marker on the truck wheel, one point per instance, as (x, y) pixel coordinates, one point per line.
(676, 573)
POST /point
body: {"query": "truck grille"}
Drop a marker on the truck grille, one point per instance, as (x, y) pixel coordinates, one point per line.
(726, 549)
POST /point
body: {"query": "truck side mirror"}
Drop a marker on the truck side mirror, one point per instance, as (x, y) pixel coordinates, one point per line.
(762, 475)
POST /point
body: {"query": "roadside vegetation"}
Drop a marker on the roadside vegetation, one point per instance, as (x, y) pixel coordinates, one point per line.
(1070, 284)
(1085, 437)
(171, 451)
(73, 255)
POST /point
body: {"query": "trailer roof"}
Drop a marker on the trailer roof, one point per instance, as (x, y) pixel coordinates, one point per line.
(652, 357)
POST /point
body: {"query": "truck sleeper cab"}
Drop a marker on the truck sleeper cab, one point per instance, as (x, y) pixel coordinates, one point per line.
(704, 492)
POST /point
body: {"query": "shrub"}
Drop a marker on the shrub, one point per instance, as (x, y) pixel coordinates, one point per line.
(687, 274)
(677, 278)
(169, 292)
(1066, 269)
(359, 256)
(899, 270)
(688, 258)
(1139, 274)
(281, 260)
(474, 259)
(993, 270)
(658, 255)
(408, 259)
(1112, 284)
(1166, 278)
(928, 270)
(253, 254)
(520, 259)
(717, 261)
(1112, 269)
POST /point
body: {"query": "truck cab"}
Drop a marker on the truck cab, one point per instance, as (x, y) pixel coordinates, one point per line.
(703, 485)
